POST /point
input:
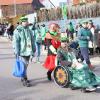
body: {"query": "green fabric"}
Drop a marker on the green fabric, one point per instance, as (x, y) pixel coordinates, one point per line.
(64, 10)
(53, 33)
(83, 77)
(38, 36)
(65, 56)
(43, 32)
(79, 77)
(84, 21)
(23, 19)
(70, 28)
(82, 37)
(64, 39)
(23, 42)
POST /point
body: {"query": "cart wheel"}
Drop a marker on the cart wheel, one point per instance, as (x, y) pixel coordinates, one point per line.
(61, 76)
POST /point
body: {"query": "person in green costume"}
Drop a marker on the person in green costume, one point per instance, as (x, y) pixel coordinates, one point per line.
(24, 46)
(80, 74)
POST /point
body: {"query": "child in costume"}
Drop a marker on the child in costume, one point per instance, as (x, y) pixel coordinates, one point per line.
(81, 75)
(53, 43)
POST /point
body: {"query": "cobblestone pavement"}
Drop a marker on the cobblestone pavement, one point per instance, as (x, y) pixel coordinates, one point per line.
(12, 89)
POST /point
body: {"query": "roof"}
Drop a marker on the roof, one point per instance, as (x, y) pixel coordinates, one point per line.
(11, 2)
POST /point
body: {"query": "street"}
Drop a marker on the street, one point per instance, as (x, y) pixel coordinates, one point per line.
(42, 89)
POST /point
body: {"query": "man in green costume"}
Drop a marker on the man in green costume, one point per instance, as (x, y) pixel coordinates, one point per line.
(24, 46)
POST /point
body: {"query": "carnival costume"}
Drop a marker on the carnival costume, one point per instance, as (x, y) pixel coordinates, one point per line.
(80, 74)
(53, 43)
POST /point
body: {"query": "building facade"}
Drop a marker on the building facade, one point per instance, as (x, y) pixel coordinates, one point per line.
(76, 2)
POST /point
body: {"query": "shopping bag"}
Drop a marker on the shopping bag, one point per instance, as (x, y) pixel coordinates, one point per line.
(19, 68)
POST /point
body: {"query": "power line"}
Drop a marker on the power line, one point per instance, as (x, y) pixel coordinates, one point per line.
(51, 3)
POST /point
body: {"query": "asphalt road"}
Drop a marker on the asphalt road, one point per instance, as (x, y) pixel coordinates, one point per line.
(12, 89)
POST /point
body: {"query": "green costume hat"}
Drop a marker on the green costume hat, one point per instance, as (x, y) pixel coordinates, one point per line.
(84, 21)
(64, 39)
(23, 19)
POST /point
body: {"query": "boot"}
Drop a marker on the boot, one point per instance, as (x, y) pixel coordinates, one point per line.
(49, 75)
(27, 79)
(25, 82)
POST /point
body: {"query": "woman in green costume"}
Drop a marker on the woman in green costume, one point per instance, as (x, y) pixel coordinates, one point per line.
(81, 76)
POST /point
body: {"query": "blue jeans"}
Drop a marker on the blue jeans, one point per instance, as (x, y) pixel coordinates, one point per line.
(85, 54)
(38, 48)
(25, 59)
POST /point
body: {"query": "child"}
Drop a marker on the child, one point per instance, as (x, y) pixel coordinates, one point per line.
(53, 42)
(81, 75)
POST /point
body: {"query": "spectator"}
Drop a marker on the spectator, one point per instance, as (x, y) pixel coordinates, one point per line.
(24, 46)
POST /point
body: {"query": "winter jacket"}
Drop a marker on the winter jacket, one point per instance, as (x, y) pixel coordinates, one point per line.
(23, 41)
(84, 36)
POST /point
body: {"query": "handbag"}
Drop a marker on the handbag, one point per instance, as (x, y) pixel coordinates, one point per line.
(19, 68)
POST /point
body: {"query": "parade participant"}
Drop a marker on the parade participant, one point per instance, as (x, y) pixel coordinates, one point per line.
(84, 36)
(38, 43)
(92, 29)
(53, 42)
(24, 46)
(43, 33)
(71, 30)
(80, 75)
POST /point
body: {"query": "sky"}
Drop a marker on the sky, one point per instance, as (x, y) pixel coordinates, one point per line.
(55, 2)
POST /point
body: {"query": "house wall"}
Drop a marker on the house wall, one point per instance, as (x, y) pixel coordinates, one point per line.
(13, 10)
(12, 14)
(75, 2)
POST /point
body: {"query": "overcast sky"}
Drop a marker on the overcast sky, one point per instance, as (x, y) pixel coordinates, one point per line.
(55, 2)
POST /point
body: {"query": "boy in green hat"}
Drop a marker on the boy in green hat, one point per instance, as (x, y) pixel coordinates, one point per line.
(24, 46)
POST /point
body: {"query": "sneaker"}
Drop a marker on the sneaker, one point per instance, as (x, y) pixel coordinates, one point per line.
(90, 89)
(25, 79)
(98, 87)
(25, 83)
